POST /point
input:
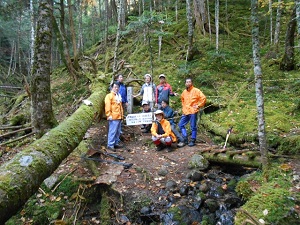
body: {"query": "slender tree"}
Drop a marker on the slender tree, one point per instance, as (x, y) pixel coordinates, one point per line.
(117, 41)
(41, 113)
(258, 85)
(190, 27)
(277, 23)
(288, 60)
(217, 9)
(297, 2)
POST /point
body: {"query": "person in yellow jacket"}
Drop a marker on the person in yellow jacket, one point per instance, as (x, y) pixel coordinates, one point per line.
(114, 114)
(162, 135)
(192, 100)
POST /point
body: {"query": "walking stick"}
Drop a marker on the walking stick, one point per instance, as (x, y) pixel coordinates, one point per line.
(227, 136)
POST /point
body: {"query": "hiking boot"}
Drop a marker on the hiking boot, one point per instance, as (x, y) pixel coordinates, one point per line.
(181, 144)
(192, 142)
(111, 149)
(160, 147)
(185, 140)
(169, 149)
(119, 145)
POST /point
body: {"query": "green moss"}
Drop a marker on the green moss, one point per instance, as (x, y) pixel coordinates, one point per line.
(271, 200)
(105, 209)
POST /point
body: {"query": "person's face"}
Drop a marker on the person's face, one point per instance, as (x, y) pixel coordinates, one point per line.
(188, 83)
(146, 107)
(162, 80)
(159, 117)
(163, 104)
(120, 79)
(115, 88)
(147, 79)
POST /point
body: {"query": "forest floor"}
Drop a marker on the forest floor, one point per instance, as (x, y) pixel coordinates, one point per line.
(143, 179)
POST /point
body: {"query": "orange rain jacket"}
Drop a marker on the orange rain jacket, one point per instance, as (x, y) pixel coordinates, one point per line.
(192, 97)
(113, 107)
(166, 127)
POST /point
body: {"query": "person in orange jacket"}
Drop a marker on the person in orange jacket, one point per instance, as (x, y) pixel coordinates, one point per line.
(192, 100)
(162, 135)
(114, 114)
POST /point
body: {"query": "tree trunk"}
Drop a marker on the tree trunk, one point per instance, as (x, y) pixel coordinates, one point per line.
(259, 86)
(22, 176)
(190, 28)
(271, 20)
(117, 41)
(217, 8)
(297, 2)
(200, 14)
(42, 115)
(277, 25)
(288, 61)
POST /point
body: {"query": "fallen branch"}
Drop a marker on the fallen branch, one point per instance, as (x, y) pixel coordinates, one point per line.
(14, 132)
(10, 127)
(17, 139)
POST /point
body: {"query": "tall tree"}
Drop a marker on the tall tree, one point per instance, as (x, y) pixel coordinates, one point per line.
(258, 84)
(277, 23)
(117, 41)
(42, 115)
(288, 60)
(190, 27)
(217, 9)
(297, 2)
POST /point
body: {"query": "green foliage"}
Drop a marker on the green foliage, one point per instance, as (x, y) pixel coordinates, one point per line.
(270, 201)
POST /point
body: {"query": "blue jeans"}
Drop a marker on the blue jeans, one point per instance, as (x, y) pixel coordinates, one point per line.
(192, 118)
(114, 132)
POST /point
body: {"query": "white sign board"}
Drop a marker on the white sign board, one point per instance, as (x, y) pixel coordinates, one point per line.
(139, 118)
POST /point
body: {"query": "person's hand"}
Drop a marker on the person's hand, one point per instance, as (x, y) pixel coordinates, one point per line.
(126, 103)
(109, 118)
(176, 94)
(155, 105)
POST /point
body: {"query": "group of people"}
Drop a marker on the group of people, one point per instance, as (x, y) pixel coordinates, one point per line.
(163, 129)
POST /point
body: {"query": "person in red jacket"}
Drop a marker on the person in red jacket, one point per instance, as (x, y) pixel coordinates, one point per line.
(162, 135)
(192, 100)
(114, 114)
(163, 91)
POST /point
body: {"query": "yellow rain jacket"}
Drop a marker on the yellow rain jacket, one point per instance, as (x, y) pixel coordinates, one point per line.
(113, 106)
(166, 126)
(192, 97)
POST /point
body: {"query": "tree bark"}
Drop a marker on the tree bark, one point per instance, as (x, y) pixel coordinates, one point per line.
(277, 25)
(288, 61)
(189, 18)
(258, 85)
(42, 114)
(22, 176)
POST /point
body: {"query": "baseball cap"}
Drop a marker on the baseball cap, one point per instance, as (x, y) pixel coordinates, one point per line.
(161, 76)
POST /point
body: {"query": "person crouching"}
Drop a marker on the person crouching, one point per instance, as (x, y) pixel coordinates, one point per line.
(162, 135)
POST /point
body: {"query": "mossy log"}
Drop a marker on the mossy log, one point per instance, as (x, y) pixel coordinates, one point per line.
(235, 139)
(246, 158)
(22, 176)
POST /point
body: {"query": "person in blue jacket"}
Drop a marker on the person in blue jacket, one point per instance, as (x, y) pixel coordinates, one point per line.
(169, 115)
(122, 92)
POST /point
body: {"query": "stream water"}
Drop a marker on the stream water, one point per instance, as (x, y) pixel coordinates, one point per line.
(202, 198)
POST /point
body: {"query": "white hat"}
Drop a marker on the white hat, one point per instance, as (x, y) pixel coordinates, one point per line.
(161, 75)
(159, 112)
(145, 103)
(148, 75)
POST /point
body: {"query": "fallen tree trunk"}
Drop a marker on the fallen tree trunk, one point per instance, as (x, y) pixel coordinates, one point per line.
(22, 176)
(245, 157)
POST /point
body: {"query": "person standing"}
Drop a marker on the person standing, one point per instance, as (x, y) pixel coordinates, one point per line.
(122, 91)
(163, 91)
(162, 135)
(114, 114)
(192, 100)
(147, 91)
(169, 115)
